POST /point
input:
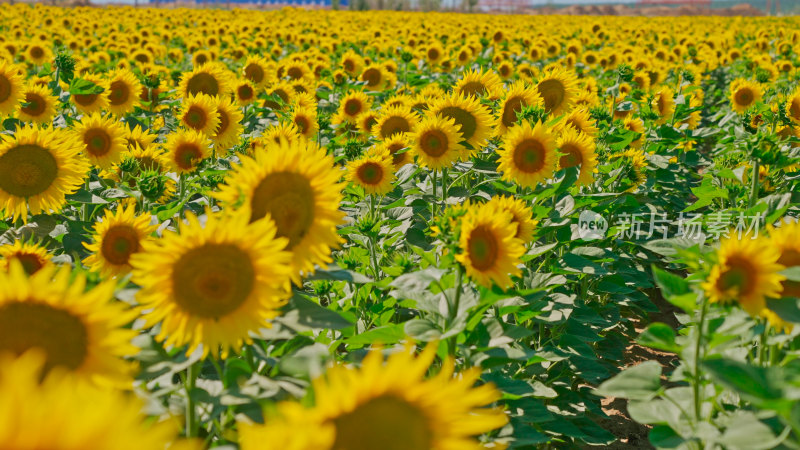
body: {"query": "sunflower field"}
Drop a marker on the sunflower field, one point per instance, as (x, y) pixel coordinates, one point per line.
(324, 230)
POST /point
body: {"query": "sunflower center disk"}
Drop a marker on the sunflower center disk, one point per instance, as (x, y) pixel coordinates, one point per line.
(474, 88)
(463, 119)
(744, 97)
(186, 155)
(27, 170)
(370, 173)
(30, 263)
(254, 73)
(35, 105)
(5, 88)
(84, 99)
(529, 156)
(738, 277)
(223, 123)
(118, 93)
(97, 141)
(203, 83)
(37, 52)
(394, 125)
(794, 109)
(434, 143)
(482, 248)
(571, 158)
(289, 200)
(119, 244)
(213, 280)
(385, 423)
(510, 110)
(196, 118)
(352, 107)
(552, 92)
(27, 325)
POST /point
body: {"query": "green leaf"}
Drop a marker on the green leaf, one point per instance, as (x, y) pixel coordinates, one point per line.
(387, 334)
(787, 309)
(422, 329)
(79, 86)
(302, 313)
(763, 386)
(660, 336)
(746, 432)
(336, 273)
(670, 284)
(662, 436)
(640, 382)
(792, 273)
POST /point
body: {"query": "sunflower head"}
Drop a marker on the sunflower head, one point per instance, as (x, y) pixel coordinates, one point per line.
(786, 239)
(353, 104)
(199, 113)
(521, 215)
(472, 118)
(39, 105)
(746, 272)
(577, 150)
(517, 97)
(11, 88)
(373, 171)
(103, 139)
(483, 83)
(186, 149)
(116, 238)
(305, 119)
(663, 104)
(394, 120)
(793, 107)
(124, 91)
(744, 94)
(528, 155)
(30, 255)
(229, 128)
(210, 79)
(436, 142)
(558, 90)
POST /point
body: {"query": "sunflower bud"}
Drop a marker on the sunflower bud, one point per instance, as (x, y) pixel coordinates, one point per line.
(625, 73)
(152, 185)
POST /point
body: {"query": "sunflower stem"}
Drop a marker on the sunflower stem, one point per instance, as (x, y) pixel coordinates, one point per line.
(762, 346)
(753, 185)
(444, 189)
(698, 410)
(451, 342)
(433, 203)
(85, 211)
(191, 416)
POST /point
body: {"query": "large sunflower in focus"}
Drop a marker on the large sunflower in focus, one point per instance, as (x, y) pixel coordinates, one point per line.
(38, 168)
(39, 105)
(436, 142)
(210, 79)
(746, 272)
(528, 155)
(387, 405)
(521, 214)
(353, 104)
(744, 94)
(578, 150)
(62, 413)
(558, 89)
(103, 139)
(212, 284)
(11, 86)
(490, 250)
(473, 119)
(115, 239)
(81, 332)
(199, 113)
(296, 185)
(186, 149)
(373, 171)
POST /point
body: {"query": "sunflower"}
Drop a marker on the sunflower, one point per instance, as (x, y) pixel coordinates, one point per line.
(52, 413)
(257, 70)
(296, 184)
(81, 332)
(230, 124)
(366, 121)
(577, 149)
(792, 106)
(490, 250)
(38, 53)
(199, 113)
(636, 125)
(38, 168)
(91, 103)
(787, 240)
(11, 88)
(30, 255)
(123, 92)
(663, 104)
(472, 118)
(528, 156)
(352, 63)
(398, 149)
(581, 120)
(39, 105)
(517, 96)
(115, 239)
(138, 137)
(150, 159)
(373, 172)
(209, 79)
(375, 76)
(483, 83)
(305, 119)
(186, 149)
(394, 120)
(746, 271)
(436, 142)
(245, 92)
(212, 284)
(353, 104)
(283, 132)
(387, 405)
(103, 139)
(283, 91)
(558, 89)
(521, 214)
(744, 94)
